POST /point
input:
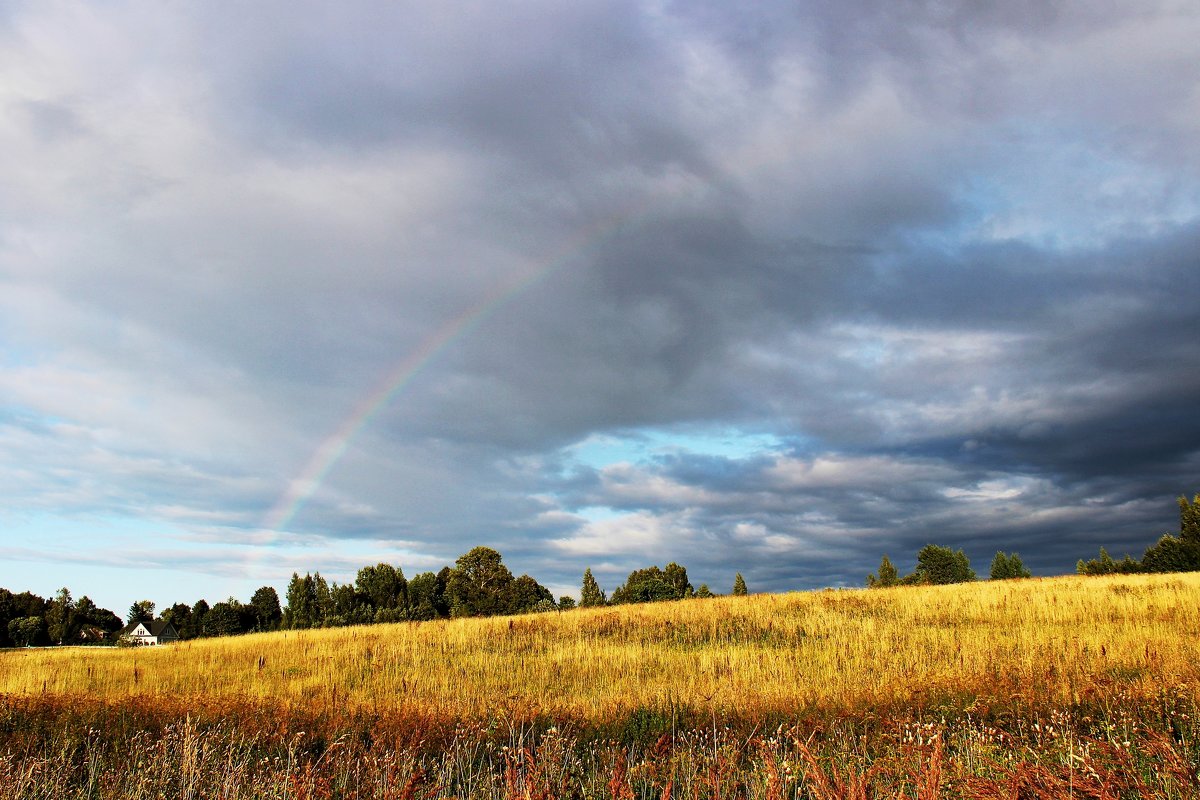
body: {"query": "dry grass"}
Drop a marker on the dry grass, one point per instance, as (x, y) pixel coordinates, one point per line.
(1050, 640)
(1062, 687)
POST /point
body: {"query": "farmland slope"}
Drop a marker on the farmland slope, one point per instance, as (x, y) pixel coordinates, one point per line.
(1052, 641)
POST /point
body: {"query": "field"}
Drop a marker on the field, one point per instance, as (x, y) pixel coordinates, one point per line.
(1066, 687)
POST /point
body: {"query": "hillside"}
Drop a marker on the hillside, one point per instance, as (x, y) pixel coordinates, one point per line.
(1051, 688)
(1052, 640)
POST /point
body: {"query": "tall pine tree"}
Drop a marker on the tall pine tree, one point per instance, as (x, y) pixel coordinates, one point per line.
(888, 575)
(590, 594)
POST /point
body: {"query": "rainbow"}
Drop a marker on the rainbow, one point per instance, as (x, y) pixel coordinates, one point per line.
(326, 456)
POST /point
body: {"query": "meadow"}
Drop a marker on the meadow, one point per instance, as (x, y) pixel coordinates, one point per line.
(1070, 686)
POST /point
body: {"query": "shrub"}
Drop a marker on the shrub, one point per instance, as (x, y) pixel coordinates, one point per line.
(1006, 566)
(941, 565)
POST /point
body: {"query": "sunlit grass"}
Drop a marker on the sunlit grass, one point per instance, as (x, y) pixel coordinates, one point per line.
(1055, 688)
(1046, 640)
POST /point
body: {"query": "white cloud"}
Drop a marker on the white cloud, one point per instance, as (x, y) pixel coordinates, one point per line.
(631, 536)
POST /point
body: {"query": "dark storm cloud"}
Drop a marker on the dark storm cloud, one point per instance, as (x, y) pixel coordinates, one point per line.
(940, 255)
(1077, 421)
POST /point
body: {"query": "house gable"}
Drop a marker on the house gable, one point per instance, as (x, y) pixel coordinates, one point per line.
(152, 633)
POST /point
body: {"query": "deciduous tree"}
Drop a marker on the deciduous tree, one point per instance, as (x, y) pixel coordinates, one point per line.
(525, 594)
(308, 601)
(941, 565)
(227, 618)
(27, 631)
(1005, 567)
(479, 583)
(384, 586)
(426, 596)
(652, 584)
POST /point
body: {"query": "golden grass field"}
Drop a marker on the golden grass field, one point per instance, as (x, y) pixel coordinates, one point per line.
(1057, 687)
(1052, 639)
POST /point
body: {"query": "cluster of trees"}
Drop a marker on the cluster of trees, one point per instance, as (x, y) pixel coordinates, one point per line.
(1169, 554)
(226, 618)
(27, 619)
(478, 585)
(650, 585)
(941, 565)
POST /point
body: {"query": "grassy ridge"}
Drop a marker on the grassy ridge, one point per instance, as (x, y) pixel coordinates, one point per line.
(1054, 688)
(1051, 640)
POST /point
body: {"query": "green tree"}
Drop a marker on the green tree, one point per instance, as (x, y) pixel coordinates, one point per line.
(61, 625)
(1104, 565)
(1178, 553)
(677, 578)
(888, 575)
(7, 614)
(739, 585)
(227, 618)
(1172, 554)
(27, 631)
(1189, 519)
(308, 601)
(200, 610)
(140, 611)
(303, 608)
(525, 594)
(180, 617)
(941, 565)
(590, 594)
(703, 592)
(348, 606)
(1005, 567)
(478, 585)
(651, 585)
(267, 611)
(566, 602)
(427, 596)
(95, 619)
(1169, 554)
(384, 586)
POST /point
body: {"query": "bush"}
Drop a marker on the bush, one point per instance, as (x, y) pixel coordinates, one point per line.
(941, 565)
(1005, 567)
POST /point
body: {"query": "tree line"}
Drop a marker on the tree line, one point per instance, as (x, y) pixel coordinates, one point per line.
(29, 620)
(1169, 554)
(941, 565)
(937, 564)
(479, 584)
(650, 585)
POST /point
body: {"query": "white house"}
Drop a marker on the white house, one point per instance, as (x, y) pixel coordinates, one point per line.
(149, 633)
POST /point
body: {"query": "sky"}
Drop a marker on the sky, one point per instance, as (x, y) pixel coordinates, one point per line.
(303, 286)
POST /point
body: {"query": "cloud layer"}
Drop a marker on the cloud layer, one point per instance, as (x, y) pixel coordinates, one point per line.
(827, 283)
